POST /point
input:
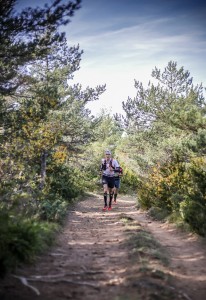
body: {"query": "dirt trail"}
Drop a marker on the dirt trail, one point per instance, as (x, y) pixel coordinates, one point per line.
(187, 257)
(93, 260)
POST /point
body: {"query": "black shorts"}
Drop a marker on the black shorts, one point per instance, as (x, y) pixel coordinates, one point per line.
(109, 181)
(117, 183)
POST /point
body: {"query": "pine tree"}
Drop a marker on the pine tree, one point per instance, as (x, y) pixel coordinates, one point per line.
(158, 103)
(27, 36)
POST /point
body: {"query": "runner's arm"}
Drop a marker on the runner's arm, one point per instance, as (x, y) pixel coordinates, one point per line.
(101, 169)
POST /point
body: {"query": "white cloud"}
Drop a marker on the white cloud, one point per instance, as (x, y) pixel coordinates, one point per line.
(122, 49)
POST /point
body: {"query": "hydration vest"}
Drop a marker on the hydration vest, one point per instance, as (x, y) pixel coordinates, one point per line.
(104, 165)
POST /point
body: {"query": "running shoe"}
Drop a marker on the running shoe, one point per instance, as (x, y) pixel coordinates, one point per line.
(104, 208)
(109, 208)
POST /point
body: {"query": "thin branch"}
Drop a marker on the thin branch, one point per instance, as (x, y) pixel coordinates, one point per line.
(33, 277)
(65, 280)
(24, 281)
(54, 279)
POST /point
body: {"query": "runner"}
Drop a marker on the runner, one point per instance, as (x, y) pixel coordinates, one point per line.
(118, 175)
(107, 169)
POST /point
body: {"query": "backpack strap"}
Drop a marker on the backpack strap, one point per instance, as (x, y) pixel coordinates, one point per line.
(110, 164)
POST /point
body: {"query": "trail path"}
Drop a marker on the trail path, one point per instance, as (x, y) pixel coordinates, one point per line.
(93, 260)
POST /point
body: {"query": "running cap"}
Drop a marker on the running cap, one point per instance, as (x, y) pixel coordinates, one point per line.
(108, 152)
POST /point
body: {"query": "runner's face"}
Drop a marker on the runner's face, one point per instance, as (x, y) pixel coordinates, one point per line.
(107, 156)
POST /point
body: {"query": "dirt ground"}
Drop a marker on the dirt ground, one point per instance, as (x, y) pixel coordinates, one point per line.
(95, 258)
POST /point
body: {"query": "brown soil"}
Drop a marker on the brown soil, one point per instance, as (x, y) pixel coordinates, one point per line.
(95, 259)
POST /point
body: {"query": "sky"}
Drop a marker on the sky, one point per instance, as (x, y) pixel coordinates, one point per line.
(124, 40)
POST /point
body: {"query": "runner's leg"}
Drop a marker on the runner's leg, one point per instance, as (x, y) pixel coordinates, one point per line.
(117, 185)
(111, 193)
(105, 190)
(111, 189)
(105, 199)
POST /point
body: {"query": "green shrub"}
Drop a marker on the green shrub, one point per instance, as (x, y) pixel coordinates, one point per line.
(53, 209)
(145, 195)
(129, 181)
(193, 211)
(65, 181)
(21, 239)
(158, 213)
(176, 200)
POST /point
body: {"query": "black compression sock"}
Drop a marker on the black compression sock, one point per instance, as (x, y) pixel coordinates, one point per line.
(110, 199)
(111, 196)
(105, 199)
